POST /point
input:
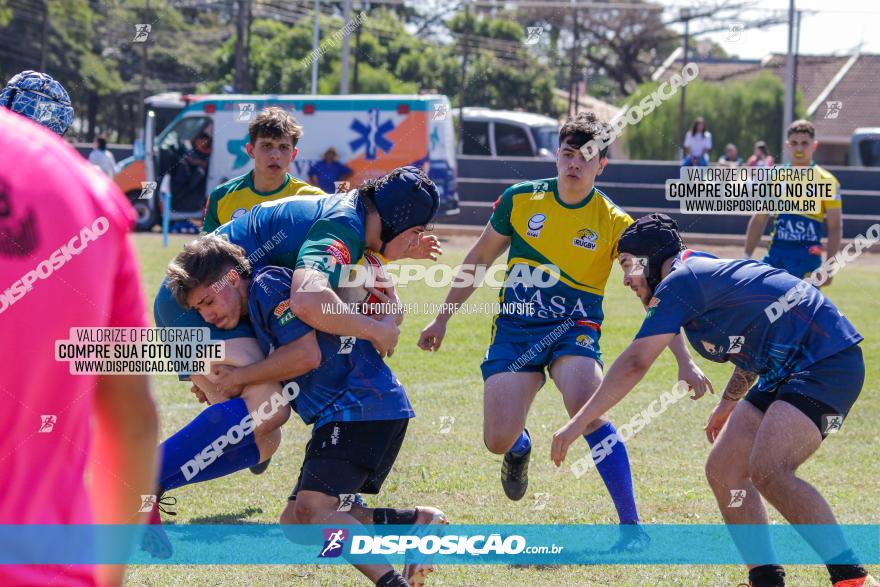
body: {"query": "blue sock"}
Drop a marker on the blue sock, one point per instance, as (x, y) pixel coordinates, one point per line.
(615, 472)
(522, 445)
(214, 421)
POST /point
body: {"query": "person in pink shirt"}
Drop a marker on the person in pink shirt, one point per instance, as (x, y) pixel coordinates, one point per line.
(75, 449)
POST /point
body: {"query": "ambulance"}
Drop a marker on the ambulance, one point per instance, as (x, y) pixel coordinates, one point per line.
(372, 134)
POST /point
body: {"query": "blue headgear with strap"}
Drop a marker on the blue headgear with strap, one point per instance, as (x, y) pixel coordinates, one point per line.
(39, 97)
(404, 199)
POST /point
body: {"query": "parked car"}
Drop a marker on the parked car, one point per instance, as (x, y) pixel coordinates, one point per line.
(864, 147)
(506, 133)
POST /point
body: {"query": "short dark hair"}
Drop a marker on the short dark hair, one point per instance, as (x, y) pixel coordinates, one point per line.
(101, 140)
(801, 126)
(204, 261)
(583, 128)
(274, 123)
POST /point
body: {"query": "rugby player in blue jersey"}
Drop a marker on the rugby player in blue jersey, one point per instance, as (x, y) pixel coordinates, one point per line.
(340, 385)
(313, 236)
(775, 329)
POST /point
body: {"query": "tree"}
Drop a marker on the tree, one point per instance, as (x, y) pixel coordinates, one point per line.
(738, 112)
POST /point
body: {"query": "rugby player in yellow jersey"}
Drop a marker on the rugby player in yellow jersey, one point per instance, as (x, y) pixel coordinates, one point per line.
(796, 239)
(273, 137)
(567, 223)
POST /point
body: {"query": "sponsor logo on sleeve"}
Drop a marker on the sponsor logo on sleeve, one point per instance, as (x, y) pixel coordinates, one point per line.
(339, 252)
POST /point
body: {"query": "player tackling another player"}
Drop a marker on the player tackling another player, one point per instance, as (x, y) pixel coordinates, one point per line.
(807, 362)
(341, 386)
(564, 221)
(796, 239)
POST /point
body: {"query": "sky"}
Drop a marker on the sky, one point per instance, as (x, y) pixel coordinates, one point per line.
(827, 26)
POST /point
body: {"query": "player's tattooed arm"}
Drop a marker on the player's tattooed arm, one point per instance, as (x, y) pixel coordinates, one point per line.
(739, 383)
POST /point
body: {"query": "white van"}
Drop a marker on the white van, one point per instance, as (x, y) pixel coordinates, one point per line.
(372, 134)
(507, 133)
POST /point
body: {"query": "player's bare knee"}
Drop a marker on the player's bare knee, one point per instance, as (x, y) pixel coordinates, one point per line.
(499, 442)
(308, 510)
(288, 514)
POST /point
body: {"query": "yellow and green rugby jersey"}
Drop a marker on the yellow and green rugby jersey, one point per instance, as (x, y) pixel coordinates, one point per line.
(806, 229)
(580, 241)
(238, 195)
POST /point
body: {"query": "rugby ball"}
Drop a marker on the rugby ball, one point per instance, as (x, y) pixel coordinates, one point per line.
(369, 272)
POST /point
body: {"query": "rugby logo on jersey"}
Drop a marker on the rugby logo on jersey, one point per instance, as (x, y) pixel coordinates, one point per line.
(282, 313)
(586, 239)
(339, 252)
(238, 212)
(585, 341)
(536, 224)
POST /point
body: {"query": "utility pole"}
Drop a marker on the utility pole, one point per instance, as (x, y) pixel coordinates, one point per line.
(788, 108)
(346, 43)
(240, 46)
(44, 42)
(797, 50)
(315, 34)
(143, 89)
(464, 62)
(686, 17)
(573, 83)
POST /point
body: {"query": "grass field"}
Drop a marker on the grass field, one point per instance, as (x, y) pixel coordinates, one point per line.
(454, 471)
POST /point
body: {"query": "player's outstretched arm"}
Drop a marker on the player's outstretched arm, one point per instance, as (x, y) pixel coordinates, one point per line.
(314, 302)
(488, 247)
(286, 362)
(124, 466)
(755, 229)
(622, 377)
(739, 383)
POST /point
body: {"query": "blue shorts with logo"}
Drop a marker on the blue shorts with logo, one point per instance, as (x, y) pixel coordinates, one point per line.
(795, 258)
(545, 344)
(825, 391)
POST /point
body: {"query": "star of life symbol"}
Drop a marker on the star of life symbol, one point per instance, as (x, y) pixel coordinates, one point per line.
(148, 502)
(346, 500)
(736, 344)
(831, 423)
(346, 345)
(737, 496)
(833, 108)
(440, 111)
(533, 34)
(245, 112)
(47, 422)
(141, 32)
(446, 423)
(148, 188)
(341, 186)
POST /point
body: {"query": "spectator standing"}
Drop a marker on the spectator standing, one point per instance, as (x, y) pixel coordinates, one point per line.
(101, 158)
(697, 144)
